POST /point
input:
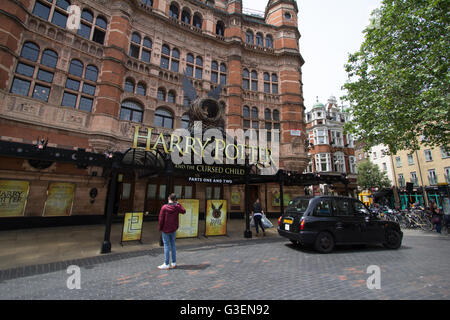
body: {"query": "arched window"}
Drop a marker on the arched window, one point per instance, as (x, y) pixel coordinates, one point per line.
(27, 77)
(220, 28)
(175, 62)
(254, 81)
(129, 85)
(76, 68)
(174, 11)
(91, 73)
(30, 51)
(269, 41)
(197, 20)
(223, 74)
(274, 83)
(186, 16)
(267, 115)
(165, 56)
(185, 121)
(199, 67)
(135, 45)
(49, 58)
(54, 11)
(266, 82)
(141, 89)
(163, 118)
(259, 39)
(254, 113)
(272, 122)
(246, 112)
(245, 79)
(80, 86)
(249, 37)
(131, 111)
(148, 2)
(161, 95)
(171, 96)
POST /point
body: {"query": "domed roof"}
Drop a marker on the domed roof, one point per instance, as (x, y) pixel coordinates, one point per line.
(318, 105)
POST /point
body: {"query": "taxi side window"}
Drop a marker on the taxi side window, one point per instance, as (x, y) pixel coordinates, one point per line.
(360, 209)
(323, 209)
(342, 207)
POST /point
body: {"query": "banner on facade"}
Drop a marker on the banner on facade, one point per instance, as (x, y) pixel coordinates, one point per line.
(132, 227)
(188, 222)
(13, 197)
(216, 218)
(59, 201)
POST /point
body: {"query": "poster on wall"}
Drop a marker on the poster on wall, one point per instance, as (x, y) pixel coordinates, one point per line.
(13, 197)
(188, 222)
(216, 218)
(132, 227)
(235, 198)
(60, 197)
(276, 199)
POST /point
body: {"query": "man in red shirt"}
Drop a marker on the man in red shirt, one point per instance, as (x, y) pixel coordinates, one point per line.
(168, 225)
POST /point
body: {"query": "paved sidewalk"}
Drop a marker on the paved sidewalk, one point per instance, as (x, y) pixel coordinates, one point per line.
(30, 247)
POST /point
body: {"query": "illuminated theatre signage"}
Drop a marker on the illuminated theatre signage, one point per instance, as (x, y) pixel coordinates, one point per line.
(200, 151)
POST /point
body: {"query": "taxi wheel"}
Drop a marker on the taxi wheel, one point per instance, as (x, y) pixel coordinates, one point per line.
(393, 240)
(324, 242)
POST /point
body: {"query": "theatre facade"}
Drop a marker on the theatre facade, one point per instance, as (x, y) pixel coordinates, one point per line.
(92, 91)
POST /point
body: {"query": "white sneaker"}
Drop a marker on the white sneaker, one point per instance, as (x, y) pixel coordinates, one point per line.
(173, 265)
(163, 266)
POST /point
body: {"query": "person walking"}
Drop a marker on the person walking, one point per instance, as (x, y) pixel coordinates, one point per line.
(436, 217)
(168, 225)
(257, 217)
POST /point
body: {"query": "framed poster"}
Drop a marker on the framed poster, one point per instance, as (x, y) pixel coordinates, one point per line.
(235, 198)
(188, 222)
(13, 197)
(216, 218)
(59, 201)
(132, 227)
(276, 199)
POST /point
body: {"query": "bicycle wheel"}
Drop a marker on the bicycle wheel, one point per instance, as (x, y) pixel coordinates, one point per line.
(426, 225)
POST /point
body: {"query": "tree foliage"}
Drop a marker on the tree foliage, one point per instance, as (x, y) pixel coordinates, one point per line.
(370, 176)
(398, 82)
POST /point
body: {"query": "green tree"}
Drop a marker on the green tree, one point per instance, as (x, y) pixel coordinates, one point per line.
(370, 176)
(398, 82)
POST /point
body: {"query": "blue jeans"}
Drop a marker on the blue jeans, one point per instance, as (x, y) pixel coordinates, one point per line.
(169, 244)
(257, 218)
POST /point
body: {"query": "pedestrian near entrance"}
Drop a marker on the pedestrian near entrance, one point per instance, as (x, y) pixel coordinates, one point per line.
(257, 217)
(436, 217)
(168, 225)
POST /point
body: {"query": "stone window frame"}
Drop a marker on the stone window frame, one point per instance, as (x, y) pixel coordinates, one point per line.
(195, 65)
(144, 45)
(38, 65)
(165, 113)
(54, 9)
(270, 82)
(82, 80)
(95, 28)
(221, 72)
(272, 122)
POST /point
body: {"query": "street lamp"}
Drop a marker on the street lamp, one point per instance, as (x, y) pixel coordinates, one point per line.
(116, 158)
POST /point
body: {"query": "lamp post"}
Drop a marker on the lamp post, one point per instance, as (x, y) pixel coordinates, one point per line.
(116, 160)
(247, 232)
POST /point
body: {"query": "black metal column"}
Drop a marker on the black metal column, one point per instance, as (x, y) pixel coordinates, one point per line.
(281, 193)
(247, 232)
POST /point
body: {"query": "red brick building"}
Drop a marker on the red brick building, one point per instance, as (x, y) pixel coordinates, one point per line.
(86, 88)
(332, 152)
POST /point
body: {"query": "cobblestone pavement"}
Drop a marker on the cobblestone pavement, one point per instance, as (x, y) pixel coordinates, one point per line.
(269, 269)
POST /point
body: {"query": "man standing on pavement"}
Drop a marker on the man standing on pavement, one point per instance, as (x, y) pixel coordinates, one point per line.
(257, 216)
(168, 225)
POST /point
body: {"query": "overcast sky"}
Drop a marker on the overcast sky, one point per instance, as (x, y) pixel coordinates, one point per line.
(330, 30)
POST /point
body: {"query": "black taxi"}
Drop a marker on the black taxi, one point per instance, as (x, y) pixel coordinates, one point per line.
(326, 221)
